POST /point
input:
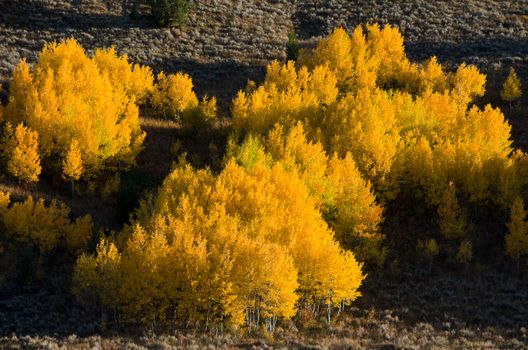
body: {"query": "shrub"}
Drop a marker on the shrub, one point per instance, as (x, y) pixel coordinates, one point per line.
(173, 98)
(169, 12)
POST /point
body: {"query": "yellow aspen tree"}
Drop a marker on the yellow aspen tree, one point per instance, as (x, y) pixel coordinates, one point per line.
(46, 226)
(69, 95)
(266, 285)
(432, 76)
(345, 199)
(201, 116)
(135, 80)
(72, 165)
(451, 217)
(517, 238)
(511, 89)
(21, 149)
(334, 51)
(5, 199)
(365, 125)
(96, 279)
(466, 84)
(173, 94)
(354, 213)
(228, 226)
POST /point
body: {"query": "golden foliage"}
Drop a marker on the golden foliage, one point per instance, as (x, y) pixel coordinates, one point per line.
(70, 96)
(452, 221)
(72, 166)
(20, 149)
(344, 198)
(409, 127)
(511, 89)
(43, 225)
(287, 95)
(247, 242)
(466, 84)
(517, 239)
(173, 97)
(136, 81)
(465, 252)
(428, 247)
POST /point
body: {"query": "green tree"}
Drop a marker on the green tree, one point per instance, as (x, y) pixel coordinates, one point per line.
(169, 12)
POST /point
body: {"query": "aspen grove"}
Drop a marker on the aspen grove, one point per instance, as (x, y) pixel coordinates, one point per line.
(338, 163)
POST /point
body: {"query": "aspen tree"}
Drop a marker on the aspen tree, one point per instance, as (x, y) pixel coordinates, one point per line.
(429, 248)
(45, 226)
(466, 84)
(511, 89)
(69, 95)
(223, 229)
(173, 94)
(20, 148)
(451, 217)
(72, 165)
(517, 238)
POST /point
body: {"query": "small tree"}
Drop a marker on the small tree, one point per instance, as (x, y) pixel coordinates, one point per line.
(517, 239)
(292, 47)
(72, 165)
(451, 216)
(511, 89)
(20, 149)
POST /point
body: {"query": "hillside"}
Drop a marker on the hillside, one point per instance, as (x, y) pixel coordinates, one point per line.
(235, 39)
(365, 201)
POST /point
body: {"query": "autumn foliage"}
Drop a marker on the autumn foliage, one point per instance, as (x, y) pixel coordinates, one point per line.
(70, 97)
(20, 152)
(221, 249)
(410, 129)
(338, 162)
(173, 98)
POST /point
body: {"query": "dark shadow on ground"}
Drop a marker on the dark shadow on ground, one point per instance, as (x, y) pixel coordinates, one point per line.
(446, 301)
(470, 298)
(494, 49)
(35, 16)
(223, 79)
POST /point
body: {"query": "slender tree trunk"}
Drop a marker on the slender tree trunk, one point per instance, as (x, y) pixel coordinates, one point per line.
(329, 314)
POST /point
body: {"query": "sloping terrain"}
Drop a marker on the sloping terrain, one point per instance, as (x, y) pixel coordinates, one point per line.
(228, 42)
